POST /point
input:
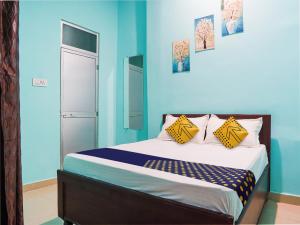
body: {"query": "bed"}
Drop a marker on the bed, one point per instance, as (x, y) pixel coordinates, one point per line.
(93, 190)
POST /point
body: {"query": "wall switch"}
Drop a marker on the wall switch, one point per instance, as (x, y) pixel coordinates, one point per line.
(39, 82)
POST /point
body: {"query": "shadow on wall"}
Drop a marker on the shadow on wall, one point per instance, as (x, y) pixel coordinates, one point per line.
(141, 28)
(131, 42)
(285, 164)
(276, 165)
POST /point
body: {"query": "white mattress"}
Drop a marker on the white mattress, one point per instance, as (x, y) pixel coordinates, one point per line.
(171, 186)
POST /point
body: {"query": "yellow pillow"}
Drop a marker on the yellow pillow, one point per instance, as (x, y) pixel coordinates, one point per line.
(182, 130)
(231, 133)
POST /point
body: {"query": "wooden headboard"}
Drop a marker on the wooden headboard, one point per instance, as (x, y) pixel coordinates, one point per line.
(264, 135)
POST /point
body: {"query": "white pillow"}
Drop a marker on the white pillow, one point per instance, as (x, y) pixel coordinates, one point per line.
(253, 127)
(200, 122)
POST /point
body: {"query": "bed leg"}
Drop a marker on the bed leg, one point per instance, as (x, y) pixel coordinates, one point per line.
(67, 222)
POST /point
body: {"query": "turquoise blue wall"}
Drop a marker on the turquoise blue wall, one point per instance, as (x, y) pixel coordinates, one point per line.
(122, 28)
(40, 57)
(253, 72)
(262, 64)
(131, 42)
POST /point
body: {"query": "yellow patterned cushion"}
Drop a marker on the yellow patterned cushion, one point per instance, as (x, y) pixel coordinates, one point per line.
(231, 133)
(182, 130)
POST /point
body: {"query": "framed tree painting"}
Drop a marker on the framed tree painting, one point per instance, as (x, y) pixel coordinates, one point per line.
(181, 56)
(204, 33)
(232, 17)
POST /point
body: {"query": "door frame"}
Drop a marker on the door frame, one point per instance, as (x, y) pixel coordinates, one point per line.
(81, 52)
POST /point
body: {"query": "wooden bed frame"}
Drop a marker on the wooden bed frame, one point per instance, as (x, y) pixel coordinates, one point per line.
(83, 200)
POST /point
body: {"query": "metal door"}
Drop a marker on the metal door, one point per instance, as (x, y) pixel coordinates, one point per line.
(136, 97)
(78, 101)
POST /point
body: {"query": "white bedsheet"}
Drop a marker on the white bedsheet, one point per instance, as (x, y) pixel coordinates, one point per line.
(171, 186)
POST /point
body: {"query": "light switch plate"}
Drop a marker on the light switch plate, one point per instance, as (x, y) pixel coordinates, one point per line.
(39, 82)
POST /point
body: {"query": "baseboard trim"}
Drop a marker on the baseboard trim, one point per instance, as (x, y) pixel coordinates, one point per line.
(290, 199)
(40, 184)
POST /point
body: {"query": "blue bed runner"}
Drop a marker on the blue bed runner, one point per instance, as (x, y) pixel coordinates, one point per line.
(239, 180)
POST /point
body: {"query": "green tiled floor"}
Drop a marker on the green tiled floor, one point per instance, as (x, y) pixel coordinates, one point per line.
(56, 221)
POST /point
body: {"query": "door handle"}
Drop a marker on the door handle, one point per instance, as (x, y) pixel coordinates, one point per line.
(67, 115)
(76, 115)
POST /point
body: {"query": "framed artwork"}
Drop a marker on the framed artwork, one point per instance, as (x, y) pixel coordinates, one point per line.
(232, 17)
(204, 33)
(181, 56)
